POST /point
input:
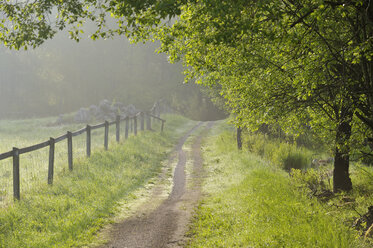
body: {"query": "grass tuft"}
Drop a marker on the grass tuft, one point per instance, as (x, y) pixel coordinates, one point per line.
(285, 155)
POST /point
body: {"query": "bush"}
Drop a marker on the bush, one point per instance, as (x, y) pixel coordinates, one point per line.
(295, 160)
(316, 182)
(285, 155)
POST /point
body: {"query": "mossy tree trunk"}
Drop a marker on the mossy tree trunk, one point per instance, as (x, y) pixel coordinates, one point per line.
(341, 176)
(239, 138)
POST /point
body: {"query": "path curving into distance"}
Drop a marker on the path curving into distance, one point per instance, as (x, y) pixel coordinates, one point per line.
(166, 225)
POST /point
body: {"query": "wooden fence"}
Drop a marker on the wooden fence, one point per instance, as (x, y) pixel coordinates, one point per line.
(16, 152)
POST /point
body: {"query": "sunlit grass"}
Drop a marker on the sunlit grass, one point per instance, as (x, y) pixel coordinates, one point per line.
(252, 203)
(79, 203)
(280, 153)
(34, 165)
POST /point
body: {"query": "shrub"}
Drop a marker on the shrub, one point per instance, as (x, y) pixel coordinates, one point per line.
(316, 182)
(283, 154)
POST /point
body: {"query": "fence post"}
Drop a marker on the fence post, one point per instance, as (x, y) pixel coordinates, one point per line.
(148, 122)
(158, 112)
(70, 149)
(16, 187)
(153, 113)
(131, 125)
(135, 125)
(142, 121)
(126, 129)
(162, 126)
(106, 139)
(117, 125)
(51, 161)
(239, 138)
(88, 128)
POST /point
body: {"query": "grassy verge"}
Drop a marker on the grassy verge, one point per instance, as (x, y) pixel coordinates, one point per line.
(254, 204)
(80, 202)
(34, 165)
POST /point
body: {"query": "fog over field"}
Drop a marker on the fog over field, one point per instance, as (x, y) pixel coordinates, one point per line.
(62, 76)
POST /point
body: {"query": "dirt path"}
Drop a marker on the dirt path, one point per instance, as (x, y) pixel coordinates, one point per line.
(166, 225)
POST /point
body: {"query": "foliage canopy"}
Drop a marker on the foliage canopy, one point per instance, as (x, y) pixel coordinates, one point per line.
(303, 65)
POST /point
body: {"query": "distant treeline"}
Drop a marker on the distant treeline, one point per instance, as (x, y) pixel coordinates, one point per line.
(63, 76)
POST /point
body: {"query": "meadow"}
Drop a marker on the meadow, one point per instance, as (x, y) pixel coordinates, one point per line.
(34, 165)
(253, 202)
(71, 211)
(252, 197)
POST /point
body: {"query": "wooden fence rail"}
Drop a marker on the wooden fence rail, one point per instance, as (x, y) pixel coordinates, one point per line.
(16, 152)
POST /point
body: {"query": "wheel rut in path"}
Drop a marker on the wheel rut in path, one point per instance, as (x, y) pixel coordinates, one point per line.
(166, 225)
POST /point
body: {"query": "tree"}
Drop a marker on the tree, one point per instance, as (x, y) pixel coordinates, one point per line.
(276, 58)
(283, 61)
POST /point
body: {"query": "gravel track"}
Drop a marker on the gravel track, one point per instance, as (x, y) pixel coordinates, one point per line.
(167, 224)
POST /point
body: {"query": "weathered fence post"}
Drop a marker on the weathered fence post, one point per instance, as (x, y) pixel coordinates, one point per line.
(158, 111)
(154, 110)
(135, 125)
(16, 187)
(148, 122)
(88, 128)
(70, 149)
(239, 138)
(51, 160)
(162, 126)
(106, 139)
(117, 125)
(126, 129)
(142, 120)
(131, 124)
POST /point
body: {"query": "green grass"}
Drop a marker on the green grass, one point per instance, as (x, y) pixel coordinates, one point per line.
(34, 165)
(284, 155)
(69, 213)
(346, 206)
(252, 203)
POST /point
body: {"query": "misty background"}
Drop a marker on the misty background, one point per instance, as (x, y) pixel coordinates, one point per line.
(62, 76)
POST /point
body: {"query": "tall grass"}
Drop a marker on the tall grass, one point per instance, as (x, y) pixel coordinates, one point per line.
(252, 203)
(34, 165)
(79, 203)
(285, 155)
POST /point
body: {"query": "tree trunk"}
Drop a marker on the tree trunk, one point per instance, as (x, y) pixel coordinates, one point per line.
(341, 176)
(239, 138)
